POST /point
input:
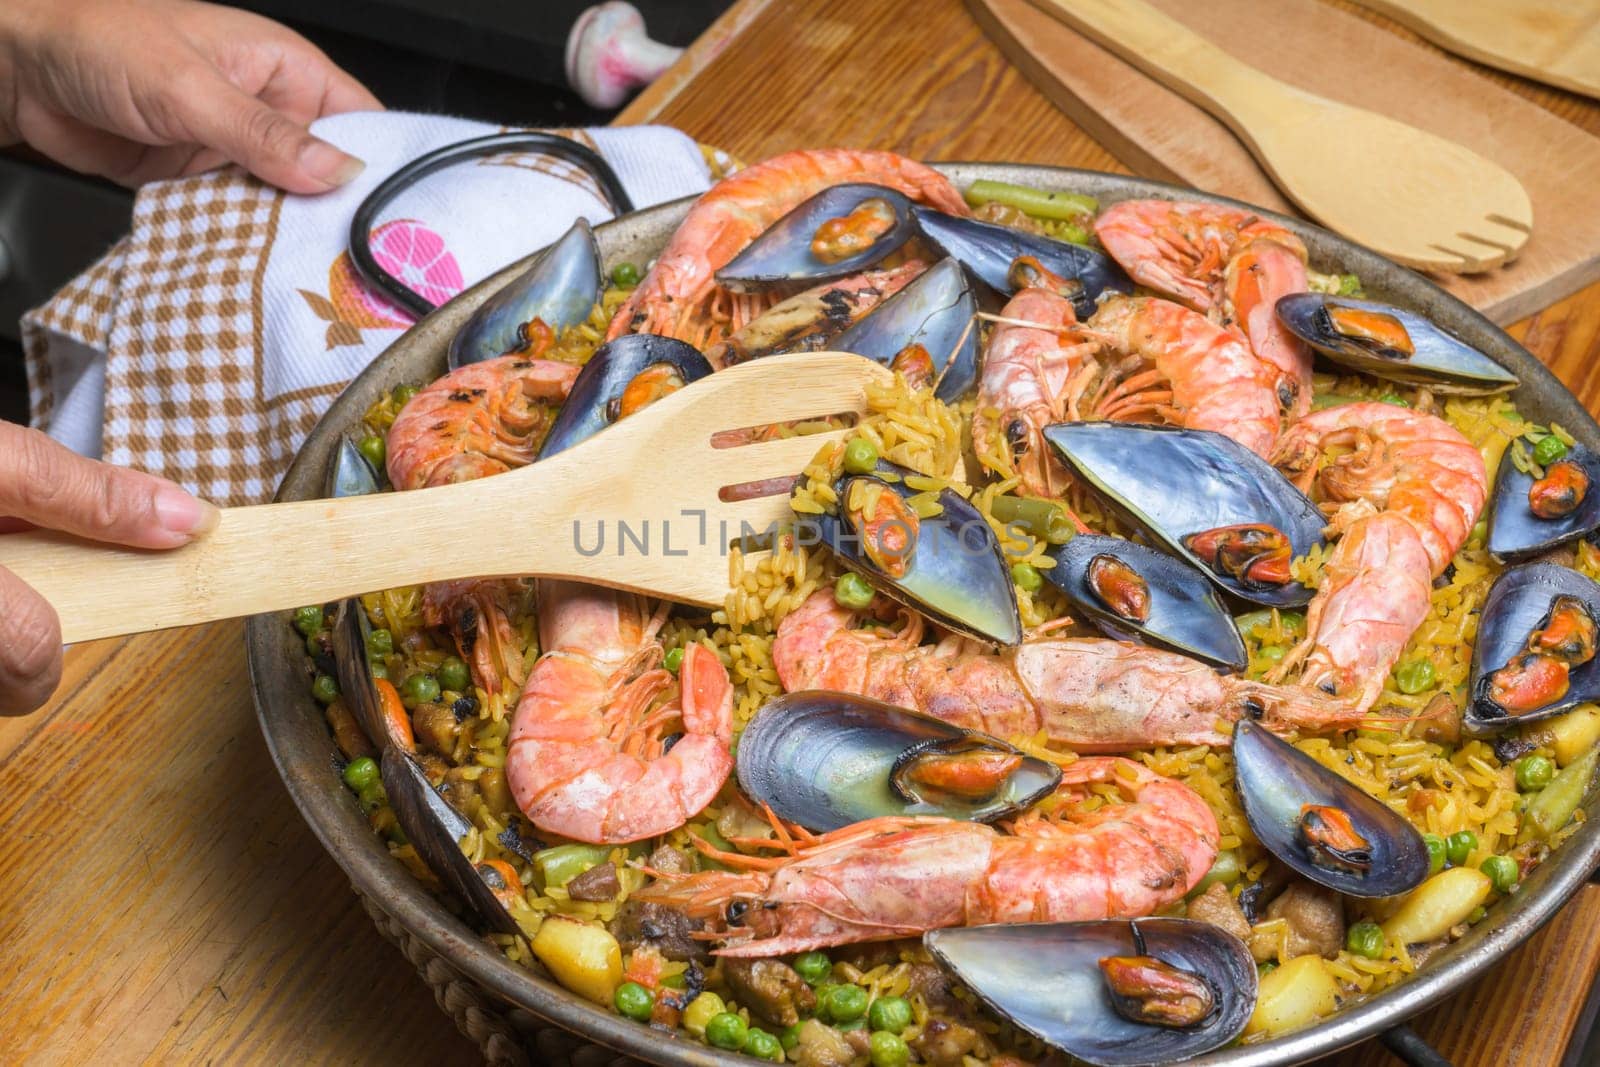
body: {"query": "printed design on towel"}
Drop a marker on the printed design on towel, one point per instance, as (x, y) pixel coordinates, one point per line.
(407, 249)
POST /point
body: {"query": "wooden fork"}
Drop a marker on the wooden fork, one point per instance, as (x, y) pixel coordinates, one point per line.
(1417, 198)
(639, 506)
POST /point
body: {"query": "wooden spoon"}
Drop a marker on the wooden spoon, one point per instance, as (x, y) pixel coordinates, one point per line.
(1416, 198)
(638, 506)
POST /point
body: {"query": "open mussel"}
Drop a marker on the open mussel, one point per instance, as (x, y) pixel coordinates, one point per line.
(1136, 593)
(1530, 516)
(826, 760)
(990, 251)
(435, 830)
(1391, 343)
(1116, 993)
(427, 819)
(1535, 652)
(558, 291)
(842, 230)
(948, 566)
(1321, 825)
(927, 330)
(1202, 497)
(620, 378)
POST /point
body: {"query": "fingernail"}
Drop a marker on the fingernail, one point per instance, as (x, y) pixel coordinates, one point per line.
(326, 163)
(183, 514)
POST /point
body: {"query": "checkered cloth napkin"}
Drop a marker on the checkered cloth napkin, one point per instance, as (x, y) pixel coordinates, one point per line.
(204, 345)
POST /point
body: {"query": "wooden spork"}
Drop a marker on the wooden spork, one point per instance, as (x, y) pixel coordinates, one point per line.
(638, 506)
(1415, 197)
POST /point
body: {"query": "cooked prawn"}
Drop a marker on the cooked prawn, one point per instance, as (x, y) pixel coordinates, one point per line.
(1409, 488)
(1230, 264)
(1034, 370)
(897, 877)
(1182, 368)
(480, 419)
(588, 756)
(679, 297)
(1090, 694)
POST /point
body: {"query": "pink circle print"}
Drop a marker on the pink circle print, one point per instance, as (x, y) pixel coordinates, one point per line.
(417, 256)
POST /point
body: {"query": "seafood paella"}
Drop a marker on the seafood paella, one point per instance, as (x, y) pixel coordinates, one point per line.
(1180, 648)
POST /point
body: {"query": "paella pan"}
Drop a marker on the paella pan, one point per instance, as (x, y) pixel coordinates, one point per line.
(1169, 508)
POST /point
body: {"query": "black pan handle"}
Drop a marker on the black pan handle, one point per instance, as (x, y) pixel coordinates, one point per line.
(1410, 1048)
(580, 155)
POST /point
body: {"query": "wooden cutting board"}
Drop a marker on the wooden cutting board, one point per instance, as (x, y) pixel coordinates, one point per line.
(1554, 41)
(1159, 134)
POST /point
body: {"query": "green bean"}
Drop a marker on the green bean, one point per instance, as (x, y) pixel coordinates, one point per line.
(1224, 869)
(1552, 807)
(1044, 520)
(1036, 202)
(1027, 577)
(560, 865)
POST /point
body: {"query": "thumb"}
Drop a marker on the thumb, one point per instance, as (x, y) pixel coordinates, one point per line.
(44, 483)
(266, 142)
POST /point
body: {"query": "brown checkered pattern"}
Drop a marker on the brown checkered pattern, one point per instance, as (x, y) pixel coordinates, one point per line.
(556, 168)
(81, 310)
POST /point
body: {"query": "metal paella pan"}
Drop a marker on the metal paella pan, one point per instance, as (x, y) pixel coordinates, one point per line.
(298, 737)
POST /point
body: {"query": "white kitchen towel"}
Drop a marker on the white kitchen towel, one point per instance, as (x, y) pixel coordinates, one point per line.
(206, 343)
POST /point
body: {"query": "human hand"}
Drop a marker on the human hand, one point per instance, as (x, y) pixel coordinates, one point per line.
(135, 90)
(44, 484)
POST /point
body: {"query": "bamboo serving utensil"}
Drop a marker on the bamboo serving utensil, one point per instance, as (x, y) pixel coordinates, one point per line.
(1553, 41)
(1415, 197)
(639, 506)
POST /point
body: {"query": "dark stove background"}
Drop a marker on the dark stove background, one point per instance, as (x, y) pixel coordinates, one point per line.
(496, 60)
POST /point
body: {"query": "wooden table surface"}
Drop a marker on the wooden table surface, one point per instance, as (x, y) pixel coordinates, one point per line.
(160, 898)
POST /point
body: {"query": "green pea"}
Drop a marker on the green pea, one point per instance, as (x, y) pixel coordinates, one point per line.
(453, 675)
(634, 1001)
(1364, 939)
(673, 660)
(1534, 773)
(1502, 871)
(1436, 852)
(825, 993)
(1549, 450)
(374, 449)
(308, 620)
(360, 772)
(625, 275)
(814, 967)
(372, 797)
(763, 1046)
(889, 1050)
(853, 592)
(860, 456)
(790, 1038)
(325, 689)
(1459, 845)
(1394, 398)
(380, 643)
(419, 689)
(1414, 677)
(1027, 577)
(889, 1013)
(314, 645)
(1476, 915)
(1292, 620)
(727, 1030)
(403, 395)
(379, 669)
(847, 1003)
(1349, 285)
(1264, 969)
(1273, 653)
